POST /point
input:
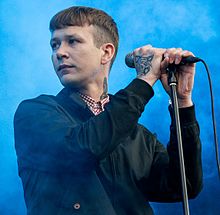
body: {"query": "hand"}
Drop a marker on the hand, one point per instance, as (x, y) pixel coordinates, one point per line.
(147, 62)
(184, 74)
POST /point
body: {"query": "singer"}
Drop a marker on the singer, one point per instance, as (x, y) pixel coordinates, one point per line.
(83, 150)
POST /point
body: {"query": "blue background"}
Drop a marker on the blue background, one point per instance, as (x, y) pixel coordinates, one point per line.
(26, 71)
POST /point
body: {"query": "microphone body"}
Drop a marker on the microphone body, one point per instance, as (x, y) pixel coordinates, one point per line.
(129, 60)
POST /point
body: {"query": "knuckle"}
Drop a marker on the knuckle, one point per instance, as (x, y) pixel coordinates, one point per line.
(141, 49)
(135, 52)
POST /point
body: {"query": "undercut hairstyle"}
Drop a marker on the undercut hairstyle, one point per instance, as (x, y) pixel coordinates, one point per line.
(106, 30)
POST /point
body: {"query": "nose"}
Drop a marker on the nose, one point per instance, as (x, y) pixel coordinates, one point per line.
(62, 52)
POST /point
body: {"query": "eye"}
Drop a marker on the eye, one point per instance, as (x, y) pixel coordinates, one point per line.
(54, 45)
(72, 41)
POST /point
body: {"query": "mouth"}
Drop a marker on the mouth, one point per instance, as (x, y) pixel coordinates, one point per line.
(64, 66)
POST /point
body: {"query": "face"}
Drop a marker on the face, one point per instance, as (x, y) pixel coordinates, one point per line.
(76, 60)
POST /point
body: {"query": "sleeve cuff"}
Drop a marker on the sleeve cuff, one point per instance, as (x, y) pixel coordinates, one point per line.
(187, 115)
(142, 89)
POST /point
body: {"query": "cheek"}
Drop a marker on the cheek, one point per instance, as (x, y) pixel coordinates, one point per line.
(94, 59)
(54, 60)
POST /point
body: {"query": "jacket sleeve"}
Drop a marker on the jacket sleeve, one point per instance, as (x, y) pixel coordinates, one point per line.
(164, 181)
(47, 139)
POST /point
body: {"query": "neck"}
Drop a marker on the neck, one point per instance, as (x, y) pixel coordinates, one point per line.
(98, 91)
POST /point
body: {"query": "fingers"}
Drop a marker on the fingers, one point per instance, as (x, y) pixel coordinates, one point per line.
(175, 55)
(142, 52)
(148, 49)
(171, 55)
(149, 59)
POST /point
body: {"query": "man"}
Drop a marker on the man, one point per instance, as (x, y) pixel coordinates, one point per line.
(83, 151)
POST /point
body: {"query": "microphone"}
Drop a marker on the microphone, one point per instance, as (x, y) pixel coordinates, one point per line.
(129, 60)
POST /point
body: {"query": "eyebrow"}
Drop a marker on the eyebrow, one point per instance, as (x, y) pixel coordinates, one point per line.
(67, 36)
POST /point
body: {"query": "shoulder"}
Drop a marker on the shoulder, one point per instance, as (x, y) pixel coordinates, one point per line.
(39, 100)
(35, 105)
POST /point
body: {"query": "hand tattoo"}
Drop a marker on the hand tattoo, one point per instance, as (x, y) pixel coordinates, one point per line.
(105, 89)
(143, 64)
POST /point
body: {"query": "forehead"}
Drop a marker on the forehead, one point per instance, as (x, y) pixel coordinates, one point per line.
(84, 32)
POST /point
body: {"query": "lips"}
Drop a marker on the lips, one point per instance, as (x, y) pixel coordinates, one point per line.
(64, 66)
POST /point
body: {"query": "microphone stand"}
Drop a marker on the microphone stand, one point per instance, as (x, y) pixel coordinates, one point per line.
(172, 81)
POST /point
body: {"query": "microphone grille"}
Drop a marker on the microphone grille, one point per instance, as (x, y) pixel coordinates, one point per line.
(129, 60)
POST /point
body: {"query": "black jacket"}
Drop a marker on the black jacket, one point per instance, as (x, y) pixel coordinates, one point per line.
(72, 162)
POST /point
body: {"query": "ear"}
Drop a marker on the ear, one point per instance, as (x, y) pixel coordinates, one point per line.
(108, 51)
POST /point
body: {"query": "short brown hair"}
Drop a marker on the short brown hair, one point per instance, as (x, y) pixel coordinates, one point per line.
(106, 28)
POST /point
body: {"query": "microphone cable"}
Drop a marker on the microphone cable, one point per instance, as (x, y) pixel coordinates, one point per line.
(213, 116)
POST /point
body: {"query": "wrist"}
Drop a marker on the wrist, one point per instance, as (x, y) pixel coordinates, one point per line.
(150, 79)
(183, 103)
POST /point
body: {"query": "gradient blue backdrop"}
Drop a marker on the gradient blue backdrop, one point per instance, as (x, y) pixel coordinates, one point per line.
(26, 71)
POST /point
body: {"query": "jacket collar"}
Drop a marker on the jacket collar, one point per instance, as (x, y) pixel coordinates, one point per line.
(71, 96)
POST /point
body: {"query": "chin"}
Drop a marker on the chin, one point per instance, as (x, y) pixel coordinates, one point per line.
(70, 83)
